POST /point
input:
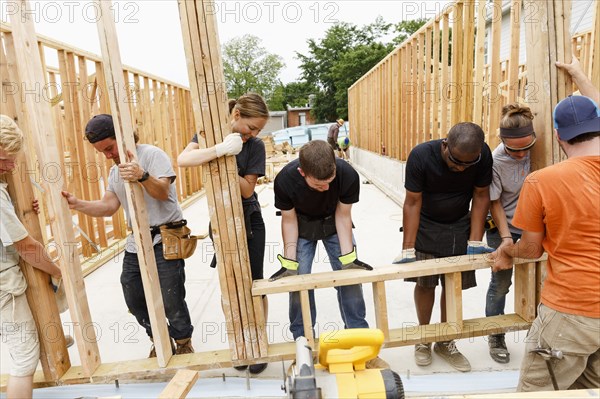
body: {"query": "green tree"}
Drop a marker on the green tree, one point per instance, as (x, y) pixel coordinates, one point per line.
(405, 29)
(351, 66)
(248, 67)
(332, 64)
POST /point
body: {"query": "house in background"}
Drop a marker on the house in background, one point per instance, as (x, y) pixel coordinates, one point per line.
(277, 121)
(299, 116)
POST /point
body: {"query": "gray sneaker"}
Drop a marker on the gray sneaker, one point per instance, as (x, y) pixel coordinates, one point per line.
(423, 354)
(449, 352)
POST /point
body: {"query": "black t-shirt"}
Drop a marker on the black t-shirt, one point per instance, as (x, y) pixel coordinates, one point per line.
(292, 192)
(250, 161)
(446, 194)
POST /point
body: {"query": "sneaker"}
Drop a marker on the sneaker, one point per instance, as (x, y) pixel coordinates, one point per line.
(153, 348)
(377, 363)
(423, 354)
(152, 352)
(184, 346)
(257, 368)
(69, 340)
(450, 353)
(498, 350)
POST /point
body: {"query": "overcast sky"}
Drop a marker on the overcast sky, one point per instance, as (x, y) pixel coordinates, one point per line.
(150, 33)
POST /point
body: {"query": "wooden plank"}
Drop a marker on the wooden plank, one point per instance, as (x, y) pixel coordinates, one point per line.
(428, 99)
(93, 179)
(453, 290)
(515, 41)
(39, 117)
(381, 312)
(457, 64)
(444, 71)
(241, 264)
(419, 80)
(307, 318)
(594, 71)
(540, 276)
(118, 219)
(414, 96)
(147, 369)
(575, 394)
(200, 77)
(478, 73)
(493, 95)
(260, 318)
(525, 288)
(134, 192)
(539, 83)
(53, 352)
(467, 66)
(436, 133)
(453, 264)
(180, 385)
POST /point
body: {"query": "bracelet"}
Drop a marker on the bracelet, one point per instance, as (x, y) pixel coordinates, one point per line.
(506, 237)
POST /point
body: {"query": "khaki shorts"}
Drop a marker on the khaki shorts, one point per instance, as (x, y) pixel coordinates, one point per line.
(578, 337)
(19, 334)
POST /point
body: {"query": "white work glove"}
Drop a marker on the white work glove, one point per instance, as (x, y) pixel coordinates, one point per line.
(406, 256)
(478, 248)
(232, 145)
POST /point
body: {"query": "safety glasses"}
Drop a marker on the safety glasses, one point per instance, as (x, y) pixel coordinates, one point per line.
(527, 147)
(458, 162)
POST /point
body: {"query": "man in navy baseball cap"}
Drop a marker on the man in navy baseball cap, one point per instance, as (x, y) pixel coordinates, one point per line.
(576, 115)
(559, 213)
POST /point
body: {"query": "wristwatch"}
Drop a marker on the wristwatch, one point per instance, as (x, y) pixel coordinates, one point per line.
(144, 177)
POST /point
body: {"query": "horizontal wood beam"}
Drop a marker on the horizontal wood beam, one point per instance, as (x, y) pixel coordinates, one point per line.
(338, 278)
(148, 369)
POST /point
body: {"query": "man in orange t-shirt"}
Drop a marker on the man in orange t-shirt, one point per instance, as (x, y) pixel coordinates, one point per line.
(559, 212)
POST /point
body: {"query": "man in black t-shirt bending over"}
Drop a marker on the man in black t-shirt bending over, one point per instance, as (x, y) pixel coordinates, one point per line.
(442, 177)
(315, 194)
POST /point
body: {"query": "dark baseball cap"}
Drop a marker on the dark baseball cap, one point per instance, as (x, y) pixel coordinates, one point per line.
(576, 115)
(100, 127)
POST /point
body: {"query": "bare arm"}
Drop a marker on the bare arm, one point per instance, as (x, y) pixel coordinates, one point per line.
(499, 217)
(107, 206)
(33, 252)
(585, 85)
(528, 247)
(193, 155)
(289, 232)
(343, 226)
(157, 187)
(247, 185)
(479, 210)
(411, 216)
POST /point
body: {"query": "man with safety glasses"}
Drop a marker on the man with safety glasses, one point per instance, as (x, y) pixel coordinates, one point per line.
(442, 178)
(511, 166)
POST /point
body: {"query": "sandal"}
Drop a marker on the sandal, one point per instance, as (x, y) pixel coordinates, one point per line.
(498, 350)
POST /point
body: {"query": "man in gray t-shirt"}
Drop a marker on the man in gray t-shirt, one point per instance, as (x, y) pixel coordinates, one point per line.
(152, 169)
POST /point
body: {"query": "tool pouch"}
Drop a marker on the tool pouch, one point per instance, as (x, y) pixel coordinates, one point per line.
(177, 241)
(316, 229)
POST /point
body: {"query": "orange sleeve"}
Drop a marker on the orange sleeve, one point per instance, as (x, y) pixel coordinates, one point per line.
(529, 215)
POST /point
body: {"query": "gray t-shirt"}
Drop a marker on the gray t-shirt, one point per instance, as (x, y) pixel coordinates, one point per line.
(12, 230)
(508, 177)
(157, 163)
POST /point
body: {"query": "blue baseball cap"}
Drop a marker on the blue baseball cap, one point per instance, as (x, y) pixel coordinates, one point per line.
(100, 127)
(576, 115)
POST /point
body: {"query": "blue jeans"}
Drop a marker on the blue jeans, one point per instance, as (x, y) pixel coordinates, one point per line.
(350, 297)
(500, 282)
(171, 274)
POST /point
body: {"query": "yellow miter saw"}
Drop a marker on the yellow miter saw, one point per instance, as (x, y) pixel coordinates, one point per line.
(341, 371)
